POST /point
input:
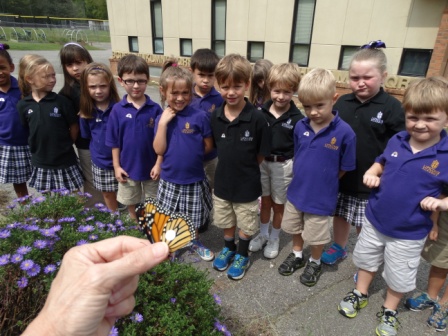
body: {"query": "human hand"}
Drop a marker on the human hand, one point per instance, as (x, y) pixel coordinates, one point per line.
(155, 172)
(167, 115)
(120, 175)
(434, 204)
(95, 285)
(371, 180)
(434, 233)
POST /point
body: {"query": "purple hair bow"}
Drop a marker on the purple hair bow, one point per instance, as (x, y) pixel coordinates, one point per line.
(374, 45)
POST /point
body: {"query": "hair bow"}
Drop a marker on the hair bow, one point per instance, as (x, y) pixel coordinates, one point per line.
(2, 46)
(374, 45)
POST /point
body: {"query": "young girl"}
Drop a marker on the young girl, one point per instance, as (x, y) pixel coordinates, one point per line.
(98, 95)
(74, 58)
(23, 84)
(53, 127)
(375, 116)
(183, 135)
(15, 164)
(259, 92)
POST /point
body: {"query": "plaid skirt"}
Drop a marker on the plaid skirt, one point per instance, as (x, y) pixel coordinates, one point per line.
(193, 200)
(104, 179)
(43, 179)
(15, 164)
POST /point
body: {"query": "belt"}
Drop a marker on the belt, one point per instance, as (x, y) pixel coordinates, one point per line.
(277, 158)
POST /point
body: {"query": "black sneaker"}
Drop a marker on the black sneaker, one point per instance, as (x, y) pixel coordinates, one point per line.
(311, 274)
(291, 264)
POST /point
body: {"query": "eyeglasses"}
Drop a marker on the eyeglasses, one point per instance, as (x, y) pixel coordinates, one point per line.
(132, 82)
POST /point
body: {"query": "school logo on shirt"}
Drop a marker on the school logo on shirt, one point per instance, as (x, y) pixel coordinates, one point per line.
(98, 119)
(377, 119)
(151, 123)
(2, 99)
(332, 144)
(30, 111)
(306, 133)
(223, 135)
(212, 108)
(394, 154)
(55, 113)
(187, 129)
(287, 124)
(129, 116)
(247, 136)
(432, 169)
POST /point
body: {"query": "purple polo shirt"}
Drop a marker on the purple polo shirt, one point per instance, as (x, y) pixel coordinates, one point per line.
(95, 129)
(318, 158)
(394, 207)
(12, 132)
(182, 161)
(132, 131)
(208, 103)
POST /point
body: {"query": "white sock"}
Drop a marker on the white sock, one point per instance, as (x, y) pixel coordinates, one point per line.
(317, 261)
(264, 229)
(275, 233)
(298, 254)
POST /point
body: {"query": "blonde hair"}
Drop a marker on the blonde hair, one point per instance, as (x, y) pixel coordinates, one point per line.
(86, 103)
(260, 73)
(285, 75)
(233, 68)
(33, 65)
(376, 55)
(170, 74)
(318, 84)
(427, 95)
(24, 86)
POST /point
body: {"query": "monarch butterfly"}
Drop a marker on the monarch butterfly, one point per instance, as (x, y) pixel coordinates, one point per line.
(177, 230)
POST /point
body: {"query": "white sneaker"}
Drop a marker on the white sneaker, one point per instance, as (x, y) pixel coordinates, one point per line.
(271, 249)
(257, 243)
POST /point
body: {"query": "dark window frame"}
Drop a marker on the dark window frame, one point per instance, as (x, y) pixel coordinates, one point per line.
(214, 40)
(341, 55)
(181, 49)
(293, 43)
(249, 56)
(406, 52)
(130, 44)
(153, 28)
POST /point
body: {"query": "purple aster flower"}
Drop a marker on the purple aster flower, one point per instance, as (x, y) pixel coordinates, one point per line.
(137, 318)
(100, 225)
(47, 232)
(173, 300)
(23, 250)
(49, 220)
(221, 327)
(81, 228)
(40, 244)
(90, 218)
(27, 265)
(113, 332)
(32, 227)
(82, 242)
(49, 268)
(4, 259)
(38, 200)
(35, 270)
(14, 225)
(16, 258)
(12, 206)
(56, 228)
(217, 299)
(89, 228)
(4, 234)
(99, 205)
(93, 237)
(22, 282)
(118, 222)
(64, 192)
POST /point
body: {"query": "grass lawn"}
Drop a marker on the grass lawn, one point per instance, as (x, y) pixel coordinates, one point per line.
(40, 46)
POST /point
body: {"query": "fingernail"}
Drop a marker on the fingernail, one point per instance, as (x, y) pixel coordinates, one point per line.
(160, 250)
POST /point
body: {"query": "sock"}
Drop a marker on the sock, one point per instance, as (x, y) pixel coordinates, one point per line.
(243, 247)
(357, 292)
(317, 261)
(264, 229)
(298, 254)
(275, 233)
(390, 311)
(230, 243)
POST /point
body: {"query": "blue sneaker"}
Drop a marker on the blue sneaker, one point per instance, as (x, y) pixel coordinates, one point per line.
(202, 251)
(334, 253)
(224, 259)
(438, 317)
(239, 267)
(419, 302)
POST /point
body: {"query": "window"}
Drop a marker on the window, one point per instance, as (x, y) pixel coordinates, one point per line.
(415, 62)
(219, 27)
(186, 47)
(255, 51)
(346, 56)
(133, 44)
(157, 26)
(301, 33)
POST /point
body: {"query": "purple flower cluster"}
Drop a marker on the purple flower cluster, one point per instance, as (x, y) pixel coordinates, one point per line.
(66, 220)
(221, 328)
(86, 228)
(113, 332)
(136, 318)
(4, 234)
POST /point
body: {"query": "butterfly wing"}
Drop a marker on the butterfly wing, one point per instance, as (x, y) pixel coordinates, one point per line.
(178, 232)
(145, 216)
(161, 216)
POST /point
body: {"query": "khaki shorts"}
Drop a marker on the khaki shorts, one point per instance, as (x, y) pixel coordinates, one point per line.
(210, 169)
(229, 214)
(401, 257)
(436, 252)
(133, 192)
(275, 179)
(315, 229)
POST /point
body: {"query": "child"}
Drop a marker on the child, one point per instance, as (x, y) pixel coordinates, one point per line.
(259, 91)
(242, 137)
(435, 252)
(130, 133)
(74, 58)
(276, 169)
(205, 97)
(15, 163)
(23, 63)
(98, 96)
(324, 149)
(407, 180)
(53, 127)
(375, 116)
(183, 135)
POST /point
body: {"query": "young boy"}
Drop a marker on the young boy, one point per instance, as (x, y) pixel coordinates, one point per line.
(130, 133)
(241, 135)
(205, 97)
(276, 169)
(325, 148)
(407, 180)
